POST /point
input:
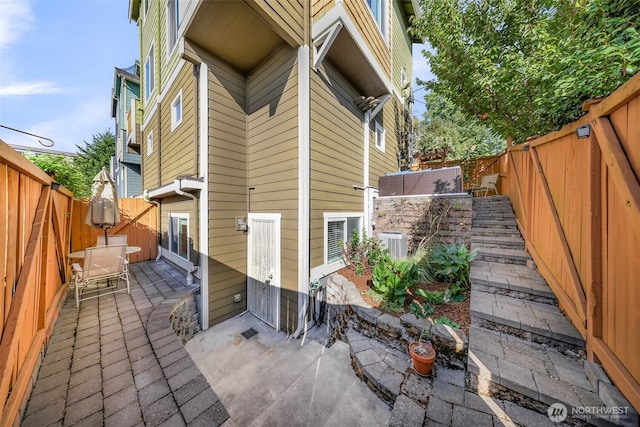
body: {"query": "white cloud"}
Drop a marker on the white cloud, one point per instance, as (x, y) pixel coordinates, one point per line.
(15, 19)
(29, 88)
(67, 127)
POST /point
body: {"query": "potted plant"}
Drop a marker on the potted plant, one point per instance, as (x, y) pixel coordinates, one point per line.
(423, 356)
(422, 352)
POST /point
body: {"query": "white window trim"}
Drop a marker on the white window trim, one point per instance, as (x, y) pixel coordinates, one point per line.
(179, 215)
(330, 217)
(379, 130)
(384, 25)
(149, 143)
(403, 78)
(146, 76)
(175, 122)
(171, 49)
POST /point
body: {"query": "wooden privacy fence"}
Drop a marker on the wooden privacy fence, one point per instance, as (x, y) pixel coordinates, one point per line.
(35, 224)
(577, 203)
(138, 220)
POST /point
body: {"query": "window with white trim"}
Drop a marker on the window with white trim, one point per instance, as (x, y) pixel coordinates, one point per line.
(172, 24)
(378, 10)
(179, 234)
(176, 111)
(380, 137)
(339, 228)
(150, 143)
(149, 74)
(403, 78)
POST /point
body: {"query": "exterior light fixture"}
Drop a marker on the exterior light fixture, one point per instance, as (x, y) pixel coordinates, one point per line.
(583, 131)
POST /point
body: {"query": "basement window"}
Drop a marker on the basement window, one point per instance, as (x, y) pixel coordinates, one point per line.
(339, 228)
(179, 234)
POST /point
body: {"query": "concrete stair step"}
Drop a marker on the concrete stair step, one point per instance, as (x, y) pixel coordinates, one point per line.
(508, 242)
(500, 255)
(534, 375)
(494, 223)
(510, 277)
(541, 322)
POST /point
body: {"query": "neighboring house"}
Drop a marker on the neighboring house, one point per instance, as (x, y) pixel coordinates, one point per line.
(266, 126)
(125, 109)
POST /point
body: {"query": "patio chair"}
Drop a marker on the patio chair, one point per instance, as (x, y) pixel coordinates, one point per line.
(116, 239)
(101, 266)
(488, 184)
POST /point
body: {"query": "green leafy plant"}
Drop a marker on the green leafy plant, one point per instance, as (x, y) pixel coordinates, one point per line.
(453, 294)
(421, 311)
(431, 297)
(362, 254)
(446, 321)
(392, 278)
(451, 263)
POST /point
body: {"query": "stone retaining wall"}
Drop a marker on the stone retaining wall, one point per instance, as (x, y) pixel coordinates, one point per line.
(184, 318)
(417, 217)
(346, 310)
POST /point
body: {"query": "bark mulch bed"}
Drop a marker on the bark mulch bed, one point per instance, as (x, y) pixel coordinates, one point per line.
(456, 311)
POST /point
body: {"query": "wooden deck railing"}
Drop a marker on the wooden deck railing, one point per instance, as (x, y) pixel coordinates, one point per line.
(577, 202)
(34, 240)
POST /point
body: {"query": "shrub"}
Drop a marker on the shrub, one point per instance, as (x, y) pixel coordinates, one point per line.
(392, 278)
(446, 321)
(362, 255)
(451, 263)
(431, 297)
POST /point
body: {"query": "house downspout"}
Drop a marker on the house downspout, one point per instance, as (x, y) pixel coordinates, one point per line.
(304, 166)
(179, 192)
(365, 178)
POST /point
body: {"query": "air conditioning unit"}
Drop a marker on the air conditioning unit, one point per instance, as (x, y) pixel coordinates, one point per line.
(396, 243)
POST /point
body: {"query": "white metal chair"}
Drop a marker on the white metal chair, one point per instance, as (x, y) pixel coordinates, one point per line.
(101, 266)
(488, 184)
(116, 239)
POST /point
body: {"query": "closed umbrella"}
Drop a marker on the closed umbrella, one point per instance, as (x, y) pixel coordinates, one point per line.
(103, 206)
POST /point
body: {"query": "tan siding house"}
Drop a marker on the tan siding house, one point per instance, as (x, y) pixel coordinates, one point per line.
(288, 113)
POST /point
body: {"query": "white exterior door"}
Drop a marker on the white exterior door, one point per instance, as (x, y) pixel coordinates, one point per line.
(263, 269)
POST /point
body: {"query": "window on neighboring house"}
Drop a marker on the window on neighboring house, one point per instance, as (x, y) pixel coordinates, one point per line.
(380, 137)
(379, 9)
(149, 74)
(172, 24)
(176, 111)
(179, 234)
(339, 228)
(150, 143)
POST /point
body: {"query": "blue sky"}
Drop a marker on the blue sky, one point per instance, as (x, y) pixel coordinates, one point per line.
(57, 60)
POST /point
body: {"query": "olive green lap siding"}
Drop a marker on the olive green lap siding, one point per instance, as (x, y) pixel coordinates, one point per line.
(336, 153)
(226, 190)
(150, 160)
(179, 148)
(272, 152)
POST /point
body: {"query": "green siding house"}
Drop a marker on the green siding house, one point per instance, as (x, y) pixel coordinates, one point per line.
(125, 109)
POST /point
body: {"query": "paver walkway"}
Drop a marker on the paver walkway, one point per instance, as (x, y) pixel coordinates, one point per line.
(116, 361)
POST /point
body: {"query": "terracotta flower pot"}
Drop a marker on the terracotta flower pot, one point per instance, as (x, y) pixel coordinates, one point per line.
(423, 356)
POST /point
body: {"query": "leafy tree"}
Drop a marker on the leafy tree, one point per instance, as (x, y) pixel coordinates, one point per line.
(93, 156)
(445, 125)
(63, 171)
(528, 64)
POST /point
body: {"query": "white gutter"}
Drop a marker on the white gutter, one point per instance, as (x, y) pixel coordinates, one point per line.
(182, 184)
(304, 162)
(365, 178)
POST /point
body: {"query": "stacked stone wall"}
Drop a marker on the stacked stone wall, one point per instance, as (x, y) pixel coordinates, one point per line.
(430, 219)
(184, 318)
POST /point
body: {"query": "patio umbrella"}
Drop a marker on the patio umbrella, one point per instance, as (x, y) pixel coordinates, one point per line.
(103, 206)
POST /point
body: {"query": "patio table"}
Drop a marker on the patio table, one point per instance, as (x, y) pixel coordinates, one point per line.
(80, 254)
